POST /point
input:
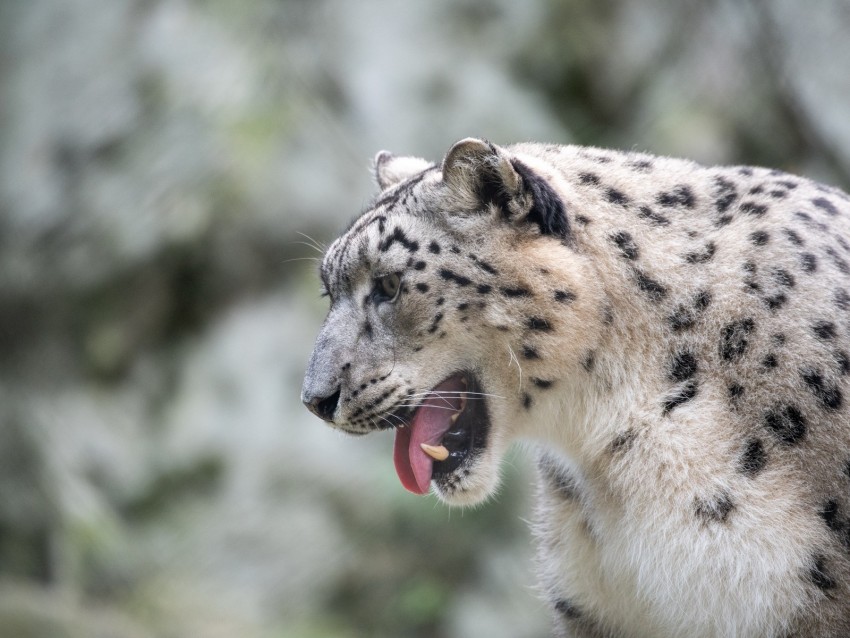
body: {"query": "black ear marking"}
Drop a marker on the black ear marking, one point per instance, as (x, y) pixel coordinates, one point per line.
(547, 209)
(490, 188)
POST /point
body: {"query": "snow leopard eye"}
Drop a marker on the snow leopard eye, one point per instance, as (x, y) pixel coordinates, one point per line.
(387, 287)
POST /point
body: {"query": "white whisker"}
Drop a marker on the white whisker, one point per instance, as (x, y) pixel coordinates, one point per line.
(519, 367)
(455, 394)
(313, 243)
(286, 261)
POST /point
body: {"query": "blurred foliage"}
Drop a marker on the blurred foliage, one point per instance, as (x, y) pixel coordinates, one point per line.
(170, 172)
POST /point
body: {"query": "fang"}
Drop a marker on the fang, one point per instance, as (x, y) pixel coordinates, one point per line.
(436, 452)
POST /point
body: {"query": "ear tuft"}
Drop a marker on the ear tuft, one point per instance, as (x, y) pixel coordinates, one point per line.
(389, 170)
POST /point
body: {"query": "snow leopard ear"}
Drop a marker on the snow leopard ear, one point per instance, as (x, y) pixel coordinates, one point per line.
(480, 175)
(389, 170)
(478, 172)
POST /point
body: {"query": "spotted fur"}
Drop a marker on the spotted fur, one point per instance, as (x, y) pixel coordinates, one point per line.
(673, 336)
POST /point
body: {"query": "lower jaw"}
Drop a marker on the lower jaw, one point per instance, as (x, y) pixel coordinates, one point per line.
(471, 484)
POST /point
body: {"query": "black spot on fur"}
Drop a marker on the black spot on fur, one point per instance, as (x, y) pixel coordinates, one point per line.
(809, 262)
(450, 275)
(422, 287)
(645, 212)
(516, 292)
(793, 237)
(684, 317)
(547, 209)
(654, 290)
(543, 384)
(819, 574)
(774, 302)
(725, 194)
(483, 265)
(419, 265)
(529, 353)
(736, 390)
(825, 205)
(842, 299)
(616, 197)
(526, 401)
(589, 361)
(759, 237)
(682, 395)
(829, 513)
(828, 393)
(824, 330)
(538, 323)
(584, 220)
(787, 424)
(843, 362)
(681, 195)
(753, 459)
(435, 323)
(838, 260)
(626, 244)
(702, 300)
(715, 510)
(754, 209)
(769, 361)
(811, 223)
(567, 609)
(704, 256)
(783, 277)
(562, 483)
(589, 178)
(683, 366)
(434, 248)
(624, 441)
(483, 288)
(564, 296)
(641, 166)
(734, 338)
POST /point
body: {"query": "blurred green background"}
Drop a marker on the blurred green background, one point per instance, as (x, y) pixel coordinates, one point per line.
(162, 165)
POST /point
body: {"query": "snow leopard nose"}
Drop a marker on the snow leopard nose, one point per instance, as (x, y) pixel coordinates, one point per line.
(322, 407)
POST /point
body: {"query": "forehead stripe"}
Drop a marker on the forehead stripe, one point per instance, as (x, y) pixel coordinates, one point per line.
(360, 225)
(372, 216)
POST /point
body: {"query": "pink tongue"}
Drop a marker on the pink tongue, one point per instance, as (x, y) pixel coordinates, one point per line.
(431, 421)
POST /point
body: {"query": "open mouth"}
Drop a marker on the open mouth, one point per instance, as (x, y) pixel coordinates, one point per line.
(443, 434)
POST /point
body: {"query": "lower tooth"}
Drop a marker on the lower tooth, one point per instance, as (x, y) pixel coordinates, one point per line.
(436, 452)
(454, 417)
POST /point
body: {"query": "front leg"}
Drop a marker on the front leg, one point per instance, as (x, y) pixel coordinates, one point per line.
(567, 553)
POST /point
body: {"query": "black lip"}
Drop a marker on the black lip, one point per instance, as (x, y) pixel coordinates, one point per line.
(469, 434)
